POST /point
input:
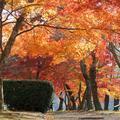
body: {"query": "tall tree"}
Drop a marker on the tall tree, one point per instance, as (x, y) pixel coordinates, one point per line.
(64, 29)
(92, 74)
(91, 82)
(88, 85)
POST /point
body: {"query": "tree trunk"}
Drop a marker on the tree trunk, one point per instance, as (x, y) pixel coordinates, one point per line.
(37, 74)
(38, 69)
(116, 104)
(2, 4)
(88, 86)
(111, 48)
(5, 52)
(1, 95)
(106, 102)
(66, 98)
(83, 101)
(71, 98)
(61, 102)
(79, 95)
(92, 74)
(11, 39)
(66, 105)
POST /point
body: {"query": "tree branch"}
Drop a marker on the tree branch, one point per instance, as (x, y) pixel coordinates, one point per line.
(23, 7)
(9, 23)
(11, 39)
(10, 13)
(112, 50)
(63, 28)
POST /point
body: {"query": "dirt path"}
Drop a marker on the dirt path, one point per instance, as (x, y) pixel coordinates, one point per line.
(83, 115)
(71, 115)
(21, 116)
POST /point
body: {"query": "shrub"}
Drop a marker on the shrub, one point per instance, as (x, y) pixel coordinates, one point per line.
(27, 95)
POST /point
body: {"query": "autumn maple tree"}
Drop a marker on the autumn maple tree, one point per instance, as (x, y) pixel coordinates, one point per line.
(58, 36)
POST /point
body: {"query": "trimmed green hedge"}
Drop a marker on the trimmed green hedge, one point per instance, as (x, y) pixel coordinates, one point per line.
(27, 95)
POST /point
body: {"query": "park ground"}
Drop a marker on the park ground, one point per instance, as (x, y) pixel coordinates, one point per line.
(68, 115)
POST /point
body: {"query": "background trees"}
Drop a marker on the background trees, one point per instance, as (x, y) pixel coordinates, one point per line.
(58, 39)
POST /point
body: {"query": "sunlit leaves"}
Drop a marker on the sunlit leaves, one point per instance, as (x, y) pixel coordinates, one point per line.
(95, 24)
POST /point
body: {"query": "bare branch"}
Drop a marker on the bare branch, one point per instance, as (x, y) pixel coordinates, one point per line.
(26, 31)
(65, 28)
(10, 13)
(23, 7)
(112, 50)
(116, 48)
(9, 23)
